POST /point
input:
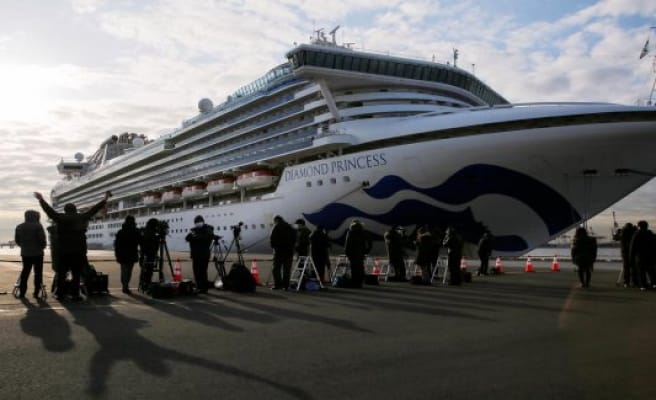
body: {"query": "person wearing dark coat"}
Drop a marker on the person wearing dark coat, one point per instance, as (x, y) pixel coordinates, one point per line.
(394, 243)
(302, 238)
(31, 238)
(200, 240)
(629, 271)
(425, 252)
(453, 244)
(126, 250)
(356, 248)
(641, 252)
(584, 254)
(320, 250)
(149, 243)
(484, 253)
(282, 240)
(72, 241)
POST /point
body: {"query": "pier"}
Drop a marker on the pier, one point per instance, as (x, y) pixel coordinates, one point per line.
(515, 335)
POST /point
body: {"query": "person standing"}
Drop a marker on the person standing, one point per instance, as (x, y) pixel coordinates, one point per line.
(72, 239)
(484, 253)
(31, 238)
(320, 248)
(150, 243)
(282, 240)
(584, 254)
(629, 271)
(394, 242)
(453, 245)
(302, 238)
(643, 247)
(126, 250)
(200, 240)
(356, 248)
(425, 251)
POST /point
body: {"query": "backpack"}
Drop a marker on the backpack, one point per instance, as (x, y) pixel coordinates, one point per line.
(239, 279)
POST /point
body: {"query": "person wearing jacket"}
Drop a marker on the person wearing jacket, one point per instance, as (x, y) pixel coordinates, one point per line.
(320, 246)
(31, 238)
(282, 241)
(425, 251)
(394, 244)
(302, 238)
(72, 239)
(453, 244)
(356, 248)
(126, 250)
(149, 243)
(584, 254)
(200, 240)
(484, 253)
(642, 254)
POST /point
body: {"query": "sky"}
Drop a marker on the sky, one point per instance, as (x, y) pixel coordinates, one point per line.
(74, 72)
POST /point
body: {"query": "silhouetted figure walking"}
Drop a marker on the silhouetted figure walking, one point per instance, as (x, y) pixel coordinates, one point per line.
(584, 254)
(126, 250)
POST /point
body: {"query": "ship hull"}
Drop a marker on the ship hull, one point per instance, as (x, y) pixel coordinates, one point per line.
(524, 186)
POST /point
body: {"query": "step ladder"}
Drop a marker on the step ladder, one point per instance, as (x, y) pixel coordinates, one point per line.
(441, 264)
(383, 268)
(303, 268)
(341, 267)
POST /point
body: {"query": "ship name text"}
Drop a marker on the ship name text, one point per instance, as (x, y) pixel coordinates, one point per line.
(365, 161)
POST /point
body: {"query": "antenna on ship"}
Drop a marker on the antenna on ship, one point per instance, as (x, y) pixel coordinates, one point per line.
(455, 57)
(645, 50)
(332, 33)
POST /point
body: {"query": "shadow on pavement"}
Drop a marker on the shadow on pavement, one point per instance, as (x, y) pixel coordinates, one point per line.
(43, 322)
(106, 325)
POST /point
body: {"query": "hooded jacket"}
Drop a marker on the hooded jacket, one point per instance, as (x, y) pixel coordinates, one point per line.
(30, 236)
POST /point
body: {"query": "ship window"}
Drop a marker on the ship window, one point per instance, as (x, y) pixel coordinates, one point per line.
(320, 59)
(320, 182)
(333, 181)
(348, 60)
(339, 61)
(373, 66)
(346, 179)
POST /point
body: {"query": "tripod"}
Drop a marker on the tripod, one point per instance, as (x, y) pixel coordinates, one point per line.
(219, 256)
(155, 263)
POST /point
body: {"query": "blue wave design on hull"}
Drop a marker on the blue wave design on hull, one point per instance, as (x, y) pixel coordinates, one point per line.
(480, 179)
(461, 188)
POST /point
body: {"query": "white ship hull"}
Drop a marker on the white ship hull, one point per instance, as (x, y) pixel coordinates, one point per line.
(524, 186)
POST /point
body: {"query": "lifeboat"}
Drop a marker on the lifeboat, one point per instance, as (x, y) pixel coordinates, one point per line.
(221, 185)
(194, 190)
(260, 178)
(172, 195)
(151, 199)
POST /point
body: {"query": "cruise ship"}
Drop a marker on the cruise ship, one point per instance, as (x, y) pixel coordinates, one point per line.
(334, 134)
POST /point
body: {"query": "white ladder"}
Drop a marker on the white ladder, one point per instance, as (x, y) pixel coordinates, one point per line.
(303, 268)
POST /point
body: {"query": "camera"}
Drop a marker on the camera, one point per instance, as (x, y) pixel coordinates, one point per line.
(162, 228)
(236, 229)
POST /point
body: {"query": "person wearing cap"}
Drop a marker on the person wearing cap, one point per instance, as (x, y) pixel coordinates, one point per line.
(72, 241)
(302, 238)
(31, 238)
(200, 240)
(282, 240)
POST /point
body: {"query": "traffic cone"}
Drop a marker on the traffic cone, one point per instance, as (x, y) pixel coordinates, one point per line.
(255, 272)
(376, 269)
(177, 271)
(498, 266)
(463, 264)
(529, 265)
(555, 266)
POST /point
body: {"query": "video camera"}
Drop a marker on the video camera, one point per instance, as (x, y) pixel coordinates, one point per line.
(236, 229)
(162, 228)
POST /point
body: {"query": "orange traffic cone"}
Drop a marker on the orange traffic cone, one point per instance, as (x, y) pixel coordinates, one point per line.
(376, 269)
(529, 265)
(555, 266)
(498, 266)
(463, 264)
(177, 271)
(255, 272)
